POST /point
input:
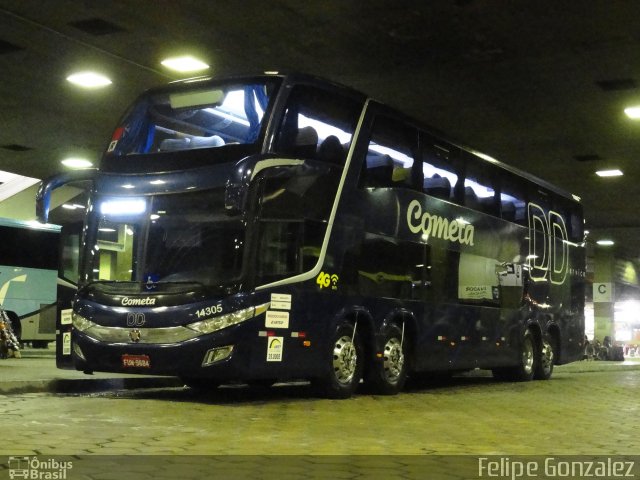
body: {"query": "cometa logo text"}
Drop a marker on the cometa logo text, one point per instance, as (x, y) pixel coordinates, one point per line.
(438, 227)
(129, 302)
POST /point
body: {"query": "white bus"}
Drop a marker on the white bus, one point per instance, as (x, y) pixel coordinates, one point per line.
(29, 254)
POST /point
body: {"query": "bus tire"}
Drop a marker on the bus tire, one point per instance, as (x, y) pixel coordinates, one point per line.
(546, 359)
(344, 364)
(527, 360)
(387, 375)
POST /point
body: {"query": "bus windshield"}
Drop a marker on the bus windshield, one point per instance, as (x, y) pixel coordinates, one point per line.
(200, 117)
(185, 238)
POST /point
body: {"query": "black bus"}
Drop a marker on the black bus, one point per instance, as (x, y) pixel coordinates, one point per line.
(279, 227)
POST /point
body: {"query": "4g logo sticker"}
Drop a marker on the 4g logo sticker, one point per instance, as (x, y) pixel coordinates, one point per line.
(326, 280)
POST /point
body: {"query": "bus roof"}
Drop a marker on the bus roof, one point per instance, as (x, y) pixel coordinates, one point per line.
(300, 78)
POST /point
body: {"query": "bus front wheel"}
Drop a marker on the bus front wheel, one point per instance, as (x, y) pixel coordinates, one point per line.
(388, 372)
(344, 364)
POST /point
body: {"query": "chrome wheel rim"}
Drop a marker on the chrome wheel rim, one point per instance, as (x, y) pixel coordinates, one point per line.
(527, 355)
(393, 357)
(546, 357)
(345, 358)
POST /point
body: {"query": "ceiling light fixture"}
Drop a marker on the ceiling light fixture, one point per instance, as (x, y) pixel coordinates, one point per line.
(605, 243)
(633, 112)
(186, 63)
(89, 80)
(609, 173)
(76, 163)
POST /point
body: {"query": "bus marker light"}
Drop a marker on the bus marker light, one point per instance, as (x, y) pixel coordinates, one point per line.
(216, 354)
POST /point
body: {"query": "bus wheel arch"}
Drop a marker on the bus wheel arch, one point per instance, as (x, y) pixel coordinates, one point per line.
(548, 349)
(528, 357)
(388, 369)
(343, 359)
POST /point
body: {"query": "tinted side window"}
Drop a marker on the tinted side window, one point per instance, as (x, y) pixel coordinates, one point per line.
(390, 155)
(440, 175)
(513, 199)
(480, 187)
(317, 124)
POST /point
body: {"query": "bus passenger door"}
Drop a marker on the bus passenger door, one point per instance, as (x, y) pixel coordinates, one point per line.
(68, 272)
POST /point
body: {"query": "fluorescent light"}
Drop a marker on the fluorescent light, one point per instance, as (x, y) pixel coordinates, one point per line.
(73, 162)
(609, 173)
(605, 243)
(186, 63)
(89, 80)
(633, 112)
(123, 207)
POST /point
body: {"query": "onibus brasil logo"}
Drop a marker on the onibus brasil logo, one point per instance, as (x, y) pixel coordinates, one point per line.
(37, 469)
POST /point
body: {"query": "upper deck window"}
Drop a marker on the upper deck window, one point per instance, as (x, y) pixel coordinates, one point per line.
(390, 155)
(317, 124)
(193, 118)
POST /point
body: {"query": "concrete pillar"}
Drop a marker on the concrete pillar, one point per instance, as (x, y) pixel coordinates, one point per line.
(604, 293)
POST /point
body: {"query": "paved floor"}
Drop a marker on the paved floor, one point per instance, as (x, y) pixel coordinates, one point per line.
(588, 408)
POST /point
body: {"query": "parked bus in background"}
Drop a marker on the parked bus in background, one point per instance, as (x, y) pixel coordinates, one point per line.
(281, 227)
(28, 279)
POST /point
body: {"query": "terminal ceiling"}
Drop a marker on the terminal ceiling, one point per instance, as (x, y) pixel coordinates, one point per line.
(539, 85)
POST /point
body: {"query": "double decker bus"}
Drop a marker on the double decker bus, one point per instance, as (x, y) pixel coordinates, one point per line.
(279, 227)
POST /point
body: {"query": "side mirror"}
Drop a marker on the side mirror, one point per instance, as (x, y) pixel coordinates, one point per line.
(43, 197)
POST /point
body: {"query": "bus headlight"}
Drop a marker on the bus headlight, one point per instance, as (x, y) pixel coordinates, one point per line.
(214, 324)
(80, 323)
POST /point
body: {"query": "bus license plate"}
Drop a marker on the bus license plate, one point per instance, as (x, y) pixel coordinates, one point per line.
(136, 361)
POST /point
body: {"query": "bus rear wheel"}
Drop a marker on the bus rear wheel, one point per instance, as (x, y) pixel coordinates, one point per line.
(544, 367)
(344, 364)
(388, 373)
(527, 360)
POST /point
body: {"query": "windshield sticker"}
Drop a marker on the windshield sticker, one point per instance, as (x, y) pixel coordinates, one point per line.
(281, 301)
(274, 349)
(66, 317)
(277, 319)
(151, 281)
(66, 343)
